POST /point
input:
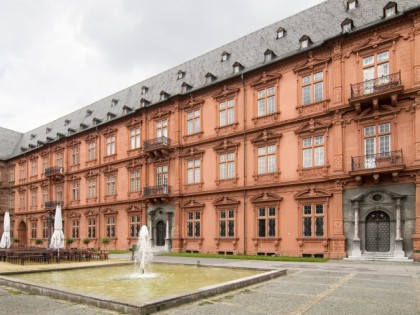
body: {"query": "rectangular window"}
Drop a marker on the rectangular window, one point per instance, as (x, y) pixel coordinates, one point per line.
(135, 181)
(313, 88)
(162, 128)
(110, 145)
(22, 199)
(45, 163)
(45, 195)
(266, 222)
(12, 174)
(375, 66)
(110, 227)
(34, 169)
(92, 188)
(267, 159)
(75, 228)
(313, 151)
(33, 230)
(110, 185)
(134, 138)
(193, 122)
(22, 171)
(91, 228)
(59, 159)
(377, 143)
(313, 220)
(227, 166)
(194, 171)
(75, 155)
(59, 193)
(193, 224)
(75, 191)
(266, 102)
(162, 175)
(33, 198)
(134, 225)
(91, 151)
(226, 112)
(227, 223)
(45, 229)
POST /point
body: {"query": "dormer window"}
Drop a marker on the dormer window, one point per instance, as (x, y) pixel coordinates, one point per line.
(60, 135)
(40, 143)
(269, 55)
(144, 102)
(127, 110)
(110, 116)
(281, 32)
(49, 139)
(351, 5)
(305, 42)
(33, 136)
(71, 131)
(347, 25)
(237, 67)
(390, 9)
(210, 77)
(114, 102)
(31, 146)
(47, 130)
(67, 122)
(163, 96)
(225, 56)
(185, 87)
(96, 121)
(88, 113)
(83, 126)
(181, 74)
(144, 89)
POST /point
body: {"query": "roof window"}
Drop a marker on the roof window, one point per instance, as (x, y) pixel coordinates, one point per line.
(31, 146)
(269, 55)
(114, 102)
(390, 9)
(347, 25)
(185, 87)
(180, 74)
(47, 130)
(281, 32)
(60, 135)
(305, 42)
(127, 110)
(67, 122)
(351, 5)
(33, 136)
(237, 67)
(210, 77)
(144, 102)
(70, 131)
(163, 96)
(88, 113)
(40, 143)
(49, 139)
(83, 126)
(225, 56)
(144, 89)
(110, 116)
(96, 121)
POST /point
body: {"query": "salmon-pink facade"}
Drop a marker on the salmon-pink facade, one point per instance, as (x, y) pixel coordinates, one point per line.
(316, 154)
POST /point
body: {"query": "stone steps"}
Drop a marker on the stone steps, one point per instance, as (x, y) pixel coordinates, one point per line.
(379, 257)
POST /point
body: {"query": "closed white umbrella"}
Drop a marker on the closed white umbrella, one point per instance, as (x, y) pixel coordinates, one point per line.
(57, 239)
(5, 238)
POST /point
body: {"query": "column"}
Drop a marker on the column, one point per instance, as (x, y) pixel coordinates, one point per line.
(398, 251)
(355, 252)
(168, 236)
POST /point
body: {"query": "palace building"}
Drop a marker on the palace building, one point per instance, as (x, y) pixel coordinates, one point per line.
(300, 139)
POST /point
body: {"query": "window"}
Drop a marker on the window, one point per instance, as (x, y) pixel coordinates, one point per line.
(313, 88)
(313, 151)
(193, 224)
(92, 188)
(227, 112)
(180, 74)
(227, 166)
(75, 228)
(22, 172)
(33, 198)
(45, 195)
(162, 128)
(75, 155)
(91, 151)
(347, 25)
(134, 138)
(313, 220)
(59, 193)
(390, 9)
(267, 222)
(12, 174)
(135, 181)
(144, 89)
(110, 145)
(377, 139)
(225, 56)
(351, 5)
(269, 55)
(110, 185)
(75, 191)
(305, 42)
(194, 171)
(375, 66)
(162, 175)
(193, 122)
(22, 199)
(266, 101)
(227, 223)
(237, 67)
(91, 228)
(267, 159)
(45, 229)
(281, 32)
(34, 168)
(33, 229)
(134, 225)
(110, 226)
(12, 201)
(45, 163)
(59, 159)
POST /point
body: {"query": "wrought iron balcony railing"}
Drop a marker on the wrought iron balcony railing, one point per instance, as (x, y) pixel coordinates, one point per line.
(52, 204)
(156, 143)
(55, 170)
(372, 161)
(378, 85)
(157, 190)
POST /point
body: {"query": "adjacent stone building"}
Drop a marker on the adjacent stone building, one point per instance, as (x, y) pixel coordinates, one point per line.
(299, 139)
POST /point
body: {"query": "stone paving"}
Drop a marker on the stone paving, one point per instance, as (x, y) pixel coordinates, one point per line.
(336, 287)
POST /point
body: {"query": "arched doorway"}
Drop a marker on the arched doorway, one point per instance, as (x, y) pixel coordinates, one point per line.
(377, 232)
(22, 234)
(160, 233)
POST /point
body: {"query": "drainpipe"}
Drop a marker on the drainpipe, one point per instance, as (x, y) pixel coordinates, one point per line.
(244, 171)
(99, 188)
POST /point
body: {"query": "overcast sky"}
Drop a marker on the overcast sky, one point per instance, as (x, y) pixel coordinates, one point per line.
(57, 56)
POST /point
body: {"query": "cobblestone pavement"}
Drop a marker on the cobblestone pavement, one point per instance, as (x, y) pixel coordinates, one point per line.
(338, 287)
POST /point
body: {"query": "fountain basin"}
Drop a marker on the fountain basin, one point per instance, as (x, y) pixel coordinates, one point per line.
(123, 289)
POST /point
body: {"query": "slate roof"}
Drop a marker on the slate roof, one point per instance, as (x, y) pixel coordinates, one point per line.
(320, 23)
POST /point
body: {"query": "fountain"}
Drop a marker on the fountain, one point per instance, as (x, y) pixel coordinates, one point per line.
(144, 254)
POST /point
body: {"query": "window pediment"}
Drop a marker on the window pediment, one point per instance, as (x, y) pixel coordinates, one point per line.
(133, 209)
(91, 213)
(226, 92)
(377, 40)
(266, 136)
(312, 62)
(191, 152)
(266, 197)
(109, 169)
(193, 204)
(160, 113)
(226, 145)
(109, 131)
(192, 102)
(134, 163)
(312, 193)
(266, 78)
(133, 123)
(225, 201)
(74, 178)
(75, 215)
(91, 174)
(91, 137)
(312, 126)
(73, 143)
(109, 211)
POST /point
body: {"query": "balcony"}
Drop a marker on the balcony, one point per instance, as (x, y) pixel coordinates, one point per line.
(158, 148)
(384, 89)
(53, 204)
(157, 194)
(375, 164)
(55, 172)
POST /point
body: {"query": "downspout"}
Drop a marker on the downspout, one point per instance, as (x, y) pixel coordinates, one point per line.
(244, 171)
(99, 188)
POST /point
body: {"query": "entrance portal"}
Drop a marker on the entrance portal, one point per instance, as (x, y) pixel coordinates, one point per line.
(377, 232)
(160, 233)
